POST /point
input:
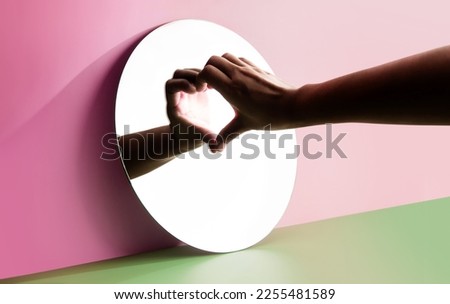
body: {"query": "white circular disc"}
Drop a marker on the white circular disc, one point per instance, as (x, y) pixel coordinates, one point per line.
(217, 205)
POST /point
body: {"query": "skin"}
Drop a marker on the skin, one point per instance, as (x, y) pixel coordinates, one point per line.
(412, 90)
(188, 112)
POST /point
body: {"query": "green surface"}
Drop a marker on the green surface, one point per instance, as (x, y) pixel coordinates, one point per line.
(408, 244)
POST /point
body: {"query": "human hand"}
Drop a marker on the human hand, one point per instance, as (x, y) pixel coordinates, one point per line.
(188, 111)
(259, 99)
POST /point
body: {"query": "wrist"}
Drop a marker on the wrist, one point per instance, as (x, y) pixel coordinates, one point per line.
(300, 110)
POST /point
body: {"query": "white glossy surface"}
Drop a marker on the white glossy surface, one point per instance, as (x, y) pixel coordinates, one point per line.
(218, 205)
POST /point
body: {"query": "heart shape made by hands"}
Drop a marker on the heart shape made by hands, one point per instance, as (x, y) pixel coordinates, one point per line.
(205, 113)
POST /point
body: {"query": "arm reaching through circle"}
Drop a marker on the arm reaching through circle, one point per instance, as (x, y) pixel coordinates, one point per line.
(412, 90)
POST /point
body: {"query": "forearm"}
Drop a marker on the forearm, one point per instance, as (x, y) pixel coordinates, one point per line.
(413, 90)
(147, 150)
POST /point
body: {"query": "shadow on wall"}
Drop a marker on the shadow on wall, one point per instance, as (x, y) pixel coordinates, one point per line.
(121, 204)
(77, 208)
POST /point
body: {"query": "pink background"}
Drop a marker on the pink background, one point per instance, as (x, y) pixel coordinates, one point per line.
(60, 65)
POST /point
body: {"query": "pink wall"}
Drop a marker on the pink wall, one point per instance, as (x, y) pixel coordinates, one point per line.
(60, 64)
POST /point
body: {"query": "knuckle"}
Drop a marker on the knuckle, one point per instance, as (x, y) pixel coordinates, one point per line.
(168, 83)
(177, 72)
(212, 59)
(207, 70)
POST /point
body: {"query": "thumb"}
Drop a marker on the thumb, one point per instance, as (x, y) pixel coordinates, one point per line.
(232, 130)
(208, 136)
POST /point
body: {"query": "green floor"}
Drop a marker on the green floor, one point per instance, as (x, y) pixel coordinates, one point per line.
(408, 244)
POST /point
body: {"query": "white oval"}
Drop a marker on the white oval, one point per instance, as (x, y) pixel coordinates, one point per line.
(219, 205)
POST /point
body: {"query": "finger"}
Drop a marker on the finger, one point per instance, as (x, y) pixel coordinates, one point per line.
(207, 135)
(254, 66)
(224, 65)
(174, 86)
(191, 75)
(200, 86)
(189, 70)
(232, 130)
(188, 74)
(214, 78)
(234, 59)
(245, 60)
